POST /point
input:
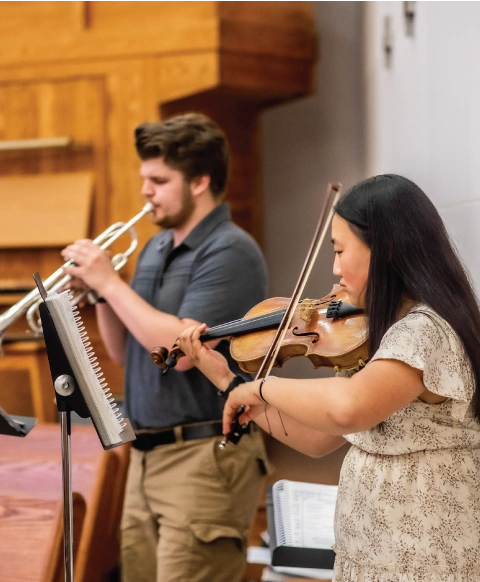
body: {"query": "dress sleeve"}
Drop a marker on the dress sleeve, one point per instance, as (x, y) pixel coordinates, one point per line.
(425, 341)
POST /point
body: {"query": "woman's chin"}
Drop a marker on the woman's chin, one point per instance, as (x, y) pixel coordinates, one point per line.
(355, 300)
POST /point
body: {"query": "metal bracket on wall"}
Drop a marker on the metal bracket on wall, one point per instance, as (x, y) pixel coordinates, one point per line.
(387, 40)
(409, 11)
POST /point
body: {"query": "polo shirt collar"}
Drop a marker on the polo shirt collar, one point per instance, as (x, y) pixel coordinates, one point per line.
(218, 215)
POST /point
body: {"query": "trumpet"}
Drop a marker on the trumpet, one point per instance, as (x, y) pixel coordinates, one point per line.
(29, 304)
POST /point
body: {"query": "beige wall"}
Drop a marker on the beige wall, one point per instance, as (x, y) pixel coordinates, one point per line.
(305, 145)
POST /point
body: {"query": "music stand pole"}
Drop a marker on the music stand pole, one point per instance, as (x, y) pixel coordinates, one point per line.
(69, 399)
(65, 424)
(65, 386)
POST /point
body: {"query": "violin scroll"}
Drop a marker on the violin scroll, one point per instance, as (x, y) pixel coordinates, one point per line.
(166, 359)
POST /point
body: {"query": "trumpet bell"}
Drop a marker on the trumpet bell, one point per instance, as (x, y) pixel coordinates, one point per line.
(29, 304)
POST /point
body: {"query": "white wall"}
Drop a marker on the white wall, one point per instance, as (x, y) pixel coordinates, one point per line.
(305, 145)
(419, 117)
(423, 111)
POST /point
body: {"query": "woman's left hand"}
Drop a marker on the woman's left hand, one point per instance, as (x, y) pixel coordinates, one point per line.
(210, 362)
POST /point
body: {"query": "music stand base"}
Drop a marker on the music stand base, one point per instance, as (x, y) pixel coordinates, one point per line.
(18, 426)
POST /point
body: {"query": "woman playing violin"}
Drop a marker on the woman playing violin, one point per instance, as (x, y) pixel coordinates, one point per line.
(408, 505)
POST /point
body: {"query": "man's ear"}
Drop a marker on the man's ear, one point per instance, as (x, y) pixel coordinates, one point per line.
(199, 185)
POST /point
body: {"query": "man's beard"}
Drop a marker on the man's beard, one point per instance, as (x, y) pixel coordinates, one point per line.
(181, 218)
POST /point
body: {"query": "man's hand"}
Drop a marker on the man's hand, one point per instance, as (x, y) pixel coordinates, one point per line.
(93, 266)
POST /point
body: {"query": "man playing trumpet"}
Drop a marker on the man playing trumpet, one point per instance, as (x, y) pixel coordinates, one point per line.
(188, 506)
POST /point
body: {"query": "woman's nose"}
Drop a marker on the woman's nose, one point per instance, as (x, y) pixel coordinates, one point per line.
(336, 267)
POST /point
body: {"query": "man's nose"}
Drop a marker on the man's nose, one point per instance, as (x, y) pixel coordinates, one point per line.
(147, 189)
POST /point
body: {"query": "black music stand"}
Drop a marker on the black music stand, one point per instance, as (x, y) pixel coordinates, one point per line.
(18, 426)
(69, 399)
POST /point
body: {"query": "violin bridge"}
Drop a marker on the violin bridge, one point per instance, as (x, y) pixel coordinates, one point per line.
(307, 309)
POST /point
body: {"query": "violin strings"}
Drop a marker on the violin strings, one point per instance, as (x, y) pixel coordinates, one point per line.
(257, 319)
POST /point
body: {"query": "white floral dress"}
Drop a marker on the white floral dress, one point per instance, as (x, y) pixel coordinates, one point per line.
(408, 507)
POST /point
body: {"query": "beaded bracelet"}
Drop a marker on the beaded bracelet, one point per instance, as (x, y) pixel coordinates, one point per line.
(233, 384)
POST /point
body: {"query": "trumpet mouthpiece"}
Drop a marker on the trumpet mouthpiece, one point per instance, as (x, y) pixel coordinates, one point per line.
(148, 207)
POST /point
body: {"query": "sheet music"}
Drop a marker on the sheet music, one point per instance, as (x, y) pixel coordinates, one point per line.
(86, 369)
(304, 513)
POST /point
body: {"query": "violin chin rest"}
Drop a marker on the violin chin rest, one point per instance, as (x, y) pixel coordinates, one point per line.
(338, 309)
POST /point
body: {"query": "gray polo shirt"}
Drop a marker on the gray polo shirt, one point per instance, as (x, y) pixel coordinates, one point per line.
(215, 276)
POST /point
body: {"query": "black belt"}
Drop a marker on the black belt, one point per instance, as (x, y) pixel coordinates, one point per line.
(146, 441)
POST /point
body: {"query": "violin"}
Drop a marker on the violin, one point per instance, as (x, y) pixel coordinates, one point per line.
(329, 331)
(284, 326)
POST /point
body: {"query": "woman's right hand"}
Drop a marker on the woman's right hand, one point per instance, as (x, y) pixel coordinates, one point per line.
(210, 362)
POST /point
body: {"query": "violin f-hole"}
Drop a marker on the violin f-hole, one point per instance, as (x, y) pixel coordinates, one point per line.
(306, 333)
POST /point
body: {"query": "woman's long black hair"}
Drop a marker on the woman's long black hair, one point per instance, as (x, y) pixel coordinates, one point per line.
(411, 256)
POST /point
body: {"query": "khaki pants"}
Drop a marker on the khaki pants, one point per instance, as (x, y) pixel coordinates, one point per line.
(188, 510)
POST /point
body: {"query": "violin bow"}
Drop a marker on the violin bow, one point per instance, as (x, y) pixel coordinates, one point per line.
(331, 198)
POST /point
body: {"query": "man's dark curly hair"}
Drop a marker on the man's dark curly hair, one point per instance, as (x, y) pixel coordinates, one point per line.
(191, 143)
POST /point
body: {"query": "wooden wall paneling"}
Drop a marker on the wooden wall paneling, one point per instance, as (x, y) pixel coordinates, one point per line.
(158, 15)
(246, 74)
(256, 28)
(179, 75)
(80, 15)
(54, 208)
(267, 49)
(15, 390)
(127, 98)
(130, 103)
(159, 28)
(26, 387)
(74, 108)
